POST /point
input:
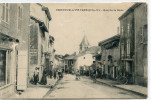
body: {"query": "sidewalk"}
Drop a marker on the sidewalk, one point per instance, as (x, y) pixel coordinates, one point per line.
(137, 89)
(36, 91)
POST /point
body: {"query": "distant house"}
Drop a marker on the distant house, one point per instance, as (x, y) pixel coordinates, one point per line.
(69, 62)
(58, 62)
(86, 56)
(110, 56)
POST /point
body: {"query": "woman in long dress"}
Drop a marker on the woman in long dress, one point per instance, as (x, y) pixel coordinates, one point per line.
(44, 77)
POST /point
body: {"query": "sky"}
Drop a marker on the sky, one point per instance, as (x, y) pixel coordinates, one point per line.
(69, 27)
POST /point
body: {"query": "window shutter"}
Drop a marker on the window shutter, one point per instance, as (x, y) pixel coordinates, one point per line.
(141, 35)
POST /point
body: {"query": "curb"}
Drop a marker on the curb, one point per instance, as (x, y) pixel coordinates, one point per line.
(51, 89)
(138, 93)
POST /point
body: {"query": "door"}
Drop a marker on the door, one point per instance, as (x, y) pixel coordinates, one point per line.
(47, 64)
(22, 70)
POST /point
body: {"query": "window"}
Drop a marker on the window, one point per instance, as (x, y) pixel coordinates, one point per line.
(121, 31)
(128, 48)
(141, 35)
(5, 14)
(122, 50)
(20, 15)
(5, 67)
(145, 34)
(2, 67)
(128, 30)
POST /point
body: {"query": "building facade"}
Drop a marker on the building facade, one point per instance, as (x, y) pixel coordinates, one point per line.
(141, 65)
(39, 38)
(51, 53)
(13, 47)
(133, 43)
(110, 57)
(69, 63)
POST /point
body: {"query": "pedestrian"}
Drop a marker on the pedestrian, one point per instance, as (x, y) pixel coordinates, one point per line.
(54, 74)
(50, 73)
(36, 75)
(44, 77)
(78, 74)
(59, 74)
(94, 75)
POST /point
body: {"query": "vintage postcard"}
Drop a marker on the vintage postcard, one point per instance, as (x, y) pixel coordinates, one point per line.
(74, 50)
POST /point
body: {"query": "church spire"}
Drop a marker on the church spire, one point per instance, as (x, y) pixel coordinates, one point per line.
(84, 43)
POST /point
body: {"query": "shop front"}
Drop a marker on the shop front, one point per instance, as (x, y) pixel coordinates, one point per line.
(7, 65)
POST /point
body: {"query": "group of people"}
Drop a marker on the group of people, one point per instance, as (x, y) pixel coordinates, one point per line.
(57, 74)
(35, 78)
(93, 74)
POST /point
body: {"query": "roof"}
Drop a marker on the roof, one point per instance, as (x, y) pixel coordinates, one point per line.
(84, 41)
(40, 22)
(47, 12)
(111, 39)
(131, 9)
(72, 56)
(10, 38)
(44, 8)
(58, 58)
(92, 50)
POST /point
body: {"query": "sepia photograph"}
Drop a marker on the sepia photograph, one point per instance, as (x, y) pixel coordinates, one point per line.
(74, 50)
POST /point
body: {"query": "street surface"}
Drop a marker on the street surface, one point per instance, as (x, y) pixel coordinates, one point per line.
(68, 87)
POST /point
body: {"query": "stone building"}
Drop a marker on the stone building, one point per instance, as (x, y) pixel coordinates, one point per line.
(133, 43)
(69, 62)
(110, 56)
(39, 38)
(13, 47)
(51, 53)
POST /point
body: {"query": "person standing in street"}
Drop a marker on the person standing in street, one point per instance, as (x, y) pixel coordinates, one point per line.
(44, 77)
(94, 75)
(36, 75)
(78, 75)
(54, 74)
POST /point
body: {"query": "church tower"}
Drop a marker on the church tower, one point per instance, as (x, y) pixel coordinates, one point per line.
(84, 44)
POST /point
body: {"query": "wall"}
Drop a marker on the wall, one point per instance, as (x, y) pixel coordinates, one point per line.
(110, 67)
(11, 30)
(140, 14)
(39, 39)
(36, 10)
(129, 19)
(4, 27)
(86, 60)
